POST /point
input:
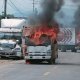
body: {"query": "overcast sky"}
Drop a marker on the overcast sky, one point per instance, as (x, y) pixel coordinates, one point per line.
(25, 7)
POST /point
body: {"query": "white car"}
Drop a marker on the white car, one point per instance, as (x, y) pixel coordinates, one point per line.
(10, 49)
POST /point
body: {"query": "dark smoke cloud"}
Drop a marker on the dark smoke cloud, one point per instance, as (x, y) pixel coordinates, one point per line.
(49, 7)
(77, 13)
(77, 20)
(75, 1)
(77, 16)
(46, 16)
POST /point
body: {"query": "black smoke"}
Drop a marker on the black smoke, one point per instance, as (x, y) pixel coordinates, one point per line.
(75, 1)
(46, 16)
(76, 21)
(49, 8)
(77, 13)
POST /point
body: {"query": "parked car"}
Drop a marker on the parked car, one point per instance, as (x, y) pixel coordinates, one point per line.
(10, 49)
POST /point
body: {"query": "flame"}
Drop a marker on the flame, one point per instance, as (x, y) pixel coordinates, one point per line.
(48, 32)
(42, 33)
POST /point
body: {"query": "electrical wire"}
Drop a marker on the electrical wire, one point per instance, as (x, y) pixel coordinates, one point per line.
(10, 5)
(15, 7)
(2, 6)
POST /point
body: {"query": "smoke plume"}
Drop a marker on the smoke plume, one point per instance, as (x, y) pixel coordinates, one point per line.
(44, 27)
(49, 7)
(77, 13)
(75, 1)
(46, 16)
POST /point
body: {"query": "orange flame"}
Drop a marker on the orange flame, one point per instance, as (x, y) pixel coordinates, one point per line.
(36, 33)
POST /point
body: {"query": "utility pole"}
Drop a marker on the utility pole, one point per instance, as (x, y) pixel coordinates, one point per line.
(5, 8)
(34, 9)
(33, 5)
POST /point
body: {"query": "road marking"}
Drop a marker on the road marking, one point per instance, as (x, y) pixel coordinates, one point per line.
(47, 73)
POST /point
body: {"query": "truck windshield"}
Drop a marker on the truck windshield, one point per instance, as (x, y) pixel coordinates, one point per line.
(9, 35)
(15, 36)
(30, 43)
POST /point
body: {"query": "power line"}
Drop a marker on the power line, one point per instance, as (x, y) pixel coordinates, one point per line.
(16, 7)
(17, 17)
(33, 3)
(2, 5)
(10, 4)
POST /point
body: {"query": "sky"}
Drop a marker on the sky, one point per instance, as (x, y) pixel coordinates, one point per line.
(23, 8)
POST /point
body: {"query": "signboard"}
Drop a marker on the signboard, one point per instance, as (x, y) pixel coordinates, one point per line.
(66, 36)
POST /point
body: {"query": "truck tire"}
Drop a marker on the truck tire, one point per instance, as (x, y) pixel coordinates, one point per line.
(54, 52)
(27, 61)
(30, 61)
(73, 50)
(51, 61)
(63, 50)
(3, 57)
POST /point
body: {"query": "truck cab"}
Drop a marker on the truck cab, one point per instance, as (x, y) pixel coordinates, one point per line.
(38, 49)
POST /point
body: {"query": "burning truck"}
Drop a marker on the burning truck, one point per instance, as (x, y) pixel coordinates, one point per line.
(40, 44)
(39, 41)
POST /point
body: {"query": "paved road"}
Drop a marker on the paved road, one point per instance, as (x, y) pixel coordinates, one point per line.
(67, 68)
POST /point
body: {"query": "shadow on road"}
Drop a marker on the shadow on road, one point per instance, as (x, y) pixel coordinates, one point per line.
(69, 64)
(63, 64)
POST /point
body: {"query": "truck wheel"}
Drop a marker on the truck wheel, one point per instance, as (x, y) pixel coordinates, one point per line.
(74, 50)
(27, 62)
(51, 61)
(3, 57)
(57, 55)
(63, 50)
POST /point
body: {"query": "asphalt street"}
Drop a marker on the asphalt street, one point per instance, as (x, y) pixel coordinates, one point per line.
(67, 67)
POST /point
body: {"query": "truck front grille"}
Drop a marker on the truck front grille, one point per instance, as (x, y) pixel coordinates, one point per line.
(37, 55)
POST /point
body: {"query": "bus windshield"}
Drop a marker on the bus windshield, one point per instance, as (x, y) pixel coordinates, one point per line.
(7, 45)
(10, 35)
